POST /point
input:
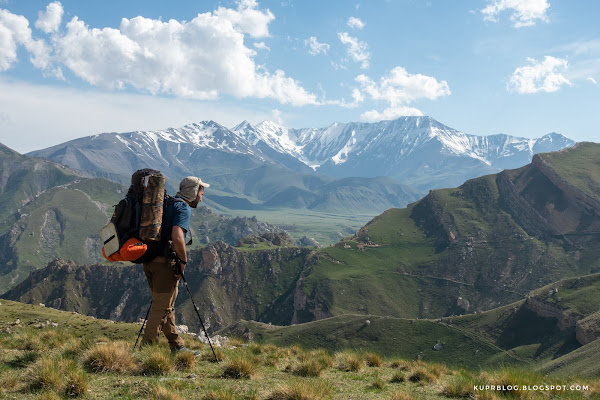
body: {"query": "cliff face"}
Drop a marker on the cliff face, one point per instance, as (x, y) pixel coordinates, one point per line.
(228, 284)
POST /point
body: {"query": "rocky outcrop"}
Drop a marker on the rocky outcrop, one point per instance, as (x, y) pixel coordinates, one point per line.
(429, 215)
(564, 318)
(588, 329)
(309, 305)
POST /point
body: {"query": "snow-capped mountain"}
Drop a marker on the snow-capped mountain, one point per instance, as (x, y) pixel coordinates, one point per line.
(418, 151)
(414, 150)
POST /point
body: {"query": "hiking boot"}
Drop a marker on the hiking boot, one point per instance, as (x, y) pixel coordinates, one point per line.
(180, 349)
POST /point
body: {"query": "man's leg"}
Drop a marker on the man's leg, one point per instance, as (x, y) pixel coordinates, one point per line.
(163, 286)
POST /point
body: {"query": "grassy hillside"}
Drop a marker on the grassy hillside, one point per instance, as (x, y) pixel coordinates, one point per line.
(23, 178)
(51, 354)
(482, 245)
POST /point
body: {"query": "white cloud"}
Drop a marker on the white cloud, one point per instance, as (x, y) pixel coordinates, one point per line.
(277, 116)
(14, 32)
(314, 47)
(399, 89)
(357, 50)
(247, 19)
(262, 46)
(201, 59)
(51, 19)
(592, 80)
(524, 12)
(33, 117)
(355, 23)
(544, 76)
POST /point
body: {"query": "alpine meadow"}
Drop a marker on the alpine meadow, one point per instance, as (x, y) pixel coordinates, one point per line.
(298, 200)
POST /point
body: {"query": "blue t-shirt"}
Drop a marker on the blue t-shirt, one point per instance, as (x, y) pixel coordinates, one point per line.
(179, 214)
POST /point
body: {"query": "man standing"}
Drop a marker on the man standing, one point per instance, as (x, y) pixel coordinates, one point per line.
(160, 272)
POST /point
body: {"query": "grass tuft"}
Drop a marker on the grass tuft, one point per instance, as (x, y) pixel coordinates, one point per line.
(312, 368)
(210, 357)
(109, 357)
(184, 361)
(398, 377)
(46, 374)
(373, 360)
(378, 384)
(301, 390)
(349, 361)
(160, 392)
(240, 367)
(156, 361)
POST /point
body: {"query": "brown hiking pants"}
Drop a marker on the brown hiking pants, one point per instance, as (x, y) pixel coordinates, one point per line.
(163, 287)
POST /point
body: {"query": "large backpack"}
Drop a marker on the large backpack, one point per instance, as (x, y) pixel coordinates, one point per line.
(134, 231)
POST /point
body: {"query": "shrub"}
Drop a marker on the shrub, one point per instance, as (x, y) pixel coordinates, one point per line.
(373, 360)
(184, 360)
(301, 390)
(240, 367)
(109, 357)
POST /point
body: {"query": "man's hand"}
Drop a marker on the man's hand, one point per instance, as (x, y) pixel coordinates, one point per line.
(178, 238)
(179, 269)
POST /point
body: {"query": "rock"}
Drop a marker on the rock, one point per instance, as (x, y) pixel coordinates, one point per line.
(54, 324)
(367, 322)
(42, 305)
(17, 322)
(182, 329)
(438, 347)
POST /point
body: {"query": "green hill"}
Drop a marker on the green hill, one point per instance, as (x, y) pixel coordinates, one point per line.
(473, 248)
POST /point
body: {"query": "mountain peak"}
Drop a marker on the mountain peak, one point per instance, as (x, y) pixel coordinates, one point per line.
(245, 124)
(270, 126)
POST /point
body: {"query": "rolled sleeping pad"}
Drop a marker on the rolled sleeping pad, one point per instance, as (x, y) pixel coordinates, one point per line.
(130, 251)
(152, 207)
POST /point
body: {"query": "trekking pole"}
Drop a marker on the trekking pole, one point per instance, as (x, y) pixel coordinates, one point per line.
(142, 328)
(198, 313)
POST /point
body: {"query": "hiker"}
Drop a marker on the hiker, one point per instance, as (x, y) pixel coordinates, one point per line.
(160, 272)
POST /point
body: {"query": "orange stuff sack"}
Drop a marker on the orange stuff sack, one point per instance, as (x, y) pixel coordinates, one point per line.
(130, 251)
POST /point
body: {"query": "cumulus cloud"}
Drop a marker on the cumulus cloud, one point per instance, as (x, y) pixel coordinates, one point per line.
(14, 32)
(357, 50)
(399, 89)
(51, 19)
(543, 76)
(314, 47)
(201, 58)
(355, 23)
(247, 19)
(524, 12)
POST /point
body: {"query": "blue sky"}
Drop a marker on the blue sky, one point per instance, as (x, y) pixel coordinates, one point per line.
(78, 67)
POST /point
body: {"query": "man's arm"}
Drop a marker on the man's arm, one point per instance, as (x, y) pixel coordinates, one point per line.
(178, 238)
